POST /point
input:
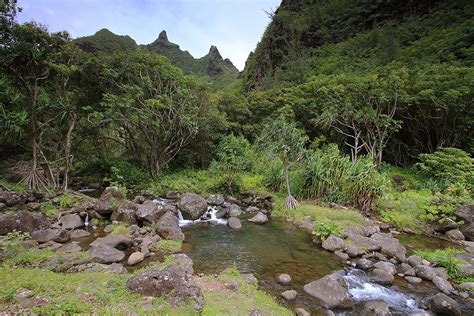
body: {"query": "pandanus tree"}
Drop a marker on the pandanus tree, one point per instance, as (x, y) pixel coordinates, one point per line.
(282, 140)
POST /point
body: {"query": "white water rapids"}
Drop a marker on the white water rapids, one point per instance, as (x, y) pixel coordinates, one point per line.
(208, 217)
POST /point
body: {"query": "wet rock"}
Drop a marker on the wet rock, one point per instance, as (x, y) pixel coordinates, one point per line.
(114, 268)
(125, 213)
(45, 235)
(376, 308)
(352, 251)
(307, 225)
(414, 261)
(441, 272)
(364, 243)
(330, 292)
(259, 218)
(135, 258)
(171, 282)
(234, 223)
(79, 233)
(333, 243)
(341, 255)
(172, 195)
(413, 280)
(289, 295)
(12, 198)
(215, 199)
(454, 234)
(284, 279)
(192, 205)
(103, 253)
(444, 305)
(120, 242)
(22, 221)
(168, 228)
(108, 201)
(364, 264)
(387, 266)
(302, 312)
(151, 211)
(444, 226)
(391, 246)
(425, 272)
(221, 213)
(443, 285)
(234, 210)
(71, 221)
(381, 277)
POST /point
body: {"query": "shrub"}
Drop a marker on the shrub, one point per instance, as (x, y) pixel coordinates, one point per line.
(166, 246)
(273, 176)
(444, 258)
(324, 229)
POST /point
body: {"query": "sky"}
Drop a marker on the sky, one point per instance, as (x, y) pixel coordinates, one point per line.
(234, 26)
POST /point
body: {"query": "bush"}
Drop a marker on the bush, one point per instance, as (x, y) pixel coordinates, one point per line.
(273, 176)
(324, 229)
(444, 258)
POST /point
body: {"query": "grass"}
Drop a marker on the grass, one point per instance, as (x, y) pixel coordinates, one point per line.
(19, 187)
(49, 209)
(166, 246)
(444, 258)
(16, 254)
(119, 229)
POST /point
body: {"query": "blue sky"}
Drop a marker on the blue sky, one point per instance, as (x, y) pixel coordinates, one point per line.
(234, 26)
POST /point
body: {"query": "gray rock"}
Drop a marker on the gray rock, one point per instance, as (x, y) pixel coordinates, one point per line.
(120, 242)
(468, 286)
(168, 227)
(376, 308)
(234, 210)
(71, 247)
(370, 229)
(381, 277)
(12, 198)
(259, 218)
(387, 266)
(151, 211)
(234, 223)
(192, 205)
(454, 234)
(410, 272)
(352, 251)
(45, 235)
(109, 200)
(364, 244)
(425, 272)
(79, 233)
(114, 268)
(414, 261)
(215, 199)
(22, 221)
(351, 230)
(364, 264)
(2, 206)
(330, 292)
(135, 258)
(302, 312)
(71, 221)
(444, 226)
(333, 243)
(250, 278)
(341, 255)
(126, 213)
(289, 295)
(102, 253)
(444, 305)
(391, 246)
(284, 279)
(413, 280)
(443, 285)
(184, 261)
(441, 272)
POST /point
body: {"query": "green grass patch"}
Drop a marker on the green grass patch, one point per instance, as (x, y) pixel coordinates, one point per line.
(166, 246)
(49, 209)
(119, 229)
(19, 187)
(444, 258)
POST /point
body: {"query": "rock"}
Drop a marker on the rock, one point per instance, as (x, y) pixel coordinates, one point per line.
(351, 230)
(466, 270)
(289, 295)
(71, 247)
(221, 213)
(371, 229)
(126, 213)
(414, 261)
(469, 246)
(108, 228)
(22, 221)
(139, 199)
(425, 272)
(376, 308)
(252, 209)
(391, 246)
(184, 261)
(364, 243)
(441, 272)
(151, 211)
(410, 272)
(381, 277)
(114, 268)
(79, 233)
(352, 251)
(12, 198)
(234, 223)
(333, 243)
(468, 286)
(284, 279)
(330, 292)
(413, 280)
(103, 253)
(259, 218)
(215, 199)
(337, 206)
(54, 234)
(135, 258)
(71, 221)
(302, 312)
(192, 205)
(234, 210)
(33, 206)
(404, 267)
(444, 305)
(250, 278)
(120, 242)
(444, 226)
(171, 282)
(307, 225)
(443, 285)
(172, 195)
(108, 201)
(233, 285)
(466, 214)
(364, 264)
(408, 231)
(168, 228)
(2, 206)
(341, 255)
(387, 266)
(454, 234)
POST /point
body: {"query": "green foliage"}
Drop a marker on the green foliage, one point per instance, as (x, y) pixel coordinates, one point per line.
(17, 254)
(119, 229)
(444, 258)
(105, 41)
(166, 246)
(324, 229)
(49, 209)
(449, 164)
(273, 176)
(19, 187)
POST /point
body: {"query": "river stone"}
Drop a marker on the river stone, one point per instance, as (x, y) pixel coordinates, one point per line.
(454, 234)
(234, 210)
(289, 295)
(410, 272)
(79, 233)
(102, 253)
(341, 255)
(135, 258)
(284, 279)
(443, 285)
(351, 230)
(369, 230)
(468, 286)
(466, 269)
(444, 226)
(387, 266)
(413, 280)
(184, 261)
(151, 212)
(22, 221)
(329, 291)
(114, 268)
(259, 218)
(425, 272)
(391, 246)
(381, 277)
(215, 199)
(71, 221)
(54, 234)
(120, 242)
(70, 247)
(376, 308)
(469, 246)
(364, 243)
(221, 213)
(108, 201)
(192, 205)
(234, 223)
(125, 213)
(300, 311)
(168, 227)
(441, 272)
(364, 264)
(444, 305)
(352, 251)
(414, 260)
(333, 243)
(172, 195)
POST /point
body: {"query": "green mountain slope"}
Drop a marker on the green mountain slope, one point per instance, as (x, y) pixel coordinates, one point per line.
(105, 41)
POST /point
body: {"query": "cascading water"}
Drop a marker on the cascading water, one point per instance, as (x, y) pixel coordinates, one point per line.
(209, 217)
(363, 290)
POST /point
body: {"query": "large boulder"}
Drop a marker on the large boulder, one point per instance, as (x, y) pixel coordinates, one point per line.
(364, 244)
(151, 211)
(376, 308)
(259, 218)
(168, 227)
(22, 221)
(109, 200)
(391, 246)
(234, 223)
(330, 292)
(102, 253)
(215, 199)
(45, 235)
(381, 277)
(172, 282)
(120, 242)
(444, 305)
(184, 261)
(443, 285)
(455, 234)
(466, 214)
(71, 221)
(387, 266)
(425, 272)
(125, 213)
(444, 225)
(192, 205)
(12, 198)
(333, 243)
(114, 268)
(234, 210)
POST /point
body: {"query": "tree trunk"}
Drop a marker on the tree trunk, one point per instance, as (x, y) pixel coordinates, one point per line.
(67, 149)
(290, 201)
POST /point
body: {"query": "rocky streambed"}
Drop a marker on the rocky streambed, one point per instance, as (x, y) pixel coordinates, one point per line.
(367, 271)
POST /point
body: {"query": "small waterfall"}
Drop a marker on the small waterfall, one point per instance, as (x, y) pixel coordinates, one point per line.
(210, 216)
(363, 290)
